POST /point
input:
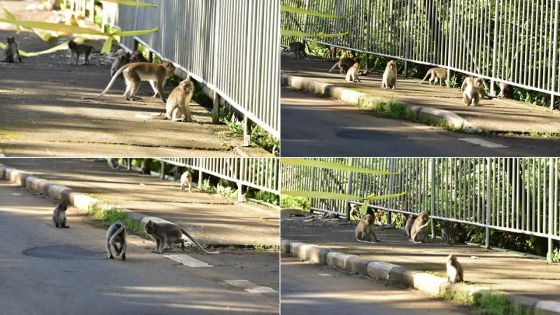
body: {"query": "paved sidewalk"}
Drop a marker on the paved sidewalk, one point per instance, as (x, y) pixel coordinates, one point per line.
(502, 116)
(505, 271)
(212, 219)
(42, 112)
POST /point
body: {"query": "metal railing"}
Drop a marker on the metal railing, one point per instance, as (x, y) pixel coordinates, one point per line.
(517, 195)
(258, 173)
(230, 46)
(511, 41)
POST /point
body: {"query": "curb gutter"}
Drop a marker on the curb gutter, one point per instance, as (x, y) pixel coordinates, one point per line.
(396, 274)
(356, 98)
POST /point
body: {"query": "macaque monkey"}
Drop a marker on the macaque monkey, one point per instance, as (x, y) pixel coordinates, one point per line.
(59, 215)
(146, 168)
(410, 218)
(177, 172)
(177, 105)
(355, 211)
(137, 56)
(114, 164)
(169, 234)
(298, 49)
(80, 49)
(186, 180)
(11, 51)
(116, 239)
(454, 270)
(437, 75)
(121, 60)
(452, 232)
(353, 75)
(134, 73)
(506, 90)
(364, 231)
(419, 230)
(390, 76)
(344, 65)
(331, 215)
(473, 90)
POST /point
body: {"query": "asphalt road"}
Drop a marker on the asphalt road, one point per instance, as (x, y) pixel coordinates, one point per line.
(314, 126)
(44, 270)
(310, 289)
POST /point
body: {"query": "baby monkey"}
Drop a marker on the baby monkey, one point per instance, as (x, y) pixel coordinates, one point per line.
(59, 214)
(80, 49)
(11, 51)
(116, 239)
(364, 231)
(169, 234)
(177, 105)
(186, 180)
(454, 270)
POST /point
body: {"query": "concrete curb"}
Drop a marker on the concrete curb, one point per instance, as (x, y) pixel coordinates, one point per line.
(357, 98)
(80, 201)
(399, 275)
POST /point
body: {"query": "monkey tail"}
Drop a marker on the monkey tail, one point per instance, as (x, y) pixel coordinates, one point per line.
(192, 239)
(119, 231)
(336, 64)
(427, 74)
(113, 80)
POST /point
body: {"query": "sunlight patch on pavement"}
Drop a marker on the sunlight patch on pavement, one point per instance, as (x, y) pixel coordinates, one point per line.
(249, 286)
(188, 261)
(483, 143)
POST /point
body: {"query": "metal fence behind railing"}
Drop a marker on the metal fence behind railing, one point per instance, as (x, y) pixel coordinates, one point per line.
(512, 41)
(258, 173)
(231, 46)
(517, 195)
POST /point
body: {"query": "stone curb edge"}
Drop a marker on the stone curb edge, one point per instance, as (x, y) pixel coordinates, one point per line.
(357, 98)
(396, 274)
(56, 192)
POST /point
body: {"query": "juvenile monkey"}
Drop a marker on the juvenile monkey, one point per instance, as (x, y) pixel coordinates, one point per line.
(169, 234)
(186, 180)
(364, 231)
(137, 56)
(419, 230)
(454, 270)
(80, 49)
(410, 218)
(506, 90)
(177, 105)
(298, 49)
(451, 233)
(59, 215)
(344, 65)
(122, 60)
(390, 76)
(146, 168)
(474, 90)
(134, 73)
(11, 51)
(437, 75)
(116, 239)
(353, 75)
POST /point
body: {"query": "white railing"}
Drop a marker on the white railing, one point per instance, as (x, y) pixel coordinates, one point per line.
(512, 41)
(518, 195)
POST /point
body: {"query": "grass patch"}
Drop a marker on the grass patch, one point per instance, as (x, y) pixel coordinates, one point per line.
(293, 202)
(265, 247)
(497, 304)
(397, 110)
(108, 217)
(554, 256)
(462, 297)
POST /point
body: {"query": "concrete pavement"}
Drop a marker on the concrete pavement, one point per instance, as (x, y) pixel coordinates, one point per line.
(45, 270)
(501, 116)
(422, 266)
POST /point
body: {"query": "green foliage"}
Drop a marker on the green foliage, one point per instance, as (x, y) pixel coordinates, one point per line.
(554, 256)
(206, 186)
(265, 196)
(294, 202)
(497, 304)
(110, 216)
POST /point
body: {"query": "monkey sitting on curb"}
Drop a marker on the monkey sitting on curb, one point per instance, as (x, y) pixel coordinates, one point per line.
(454, 270)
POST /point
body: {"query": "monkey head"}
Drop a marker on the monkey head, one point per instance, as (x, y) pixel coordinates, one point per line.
(424, 217)
(150, 227)
(452, 258)
(368, 219)
(392, 65)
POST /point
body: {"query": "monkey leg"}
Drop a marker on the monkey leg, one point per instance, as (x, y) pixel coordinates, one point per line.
(160, 91)
(123, 249)
(86, 58)
(154, 87)
(158, 242)
(63, 224)
(109, 251)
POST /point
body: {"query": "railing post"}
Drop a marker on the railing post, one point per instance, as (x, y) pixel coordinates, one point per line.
(240, 192)
(391, 189)
(551, 173)
(129, 164)
(494, 52)
(433, 189)
(162, 170)
(349, 189)
(215, 107)
(554, 57)
(200, 175)
(246, 131)
(488, 202)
